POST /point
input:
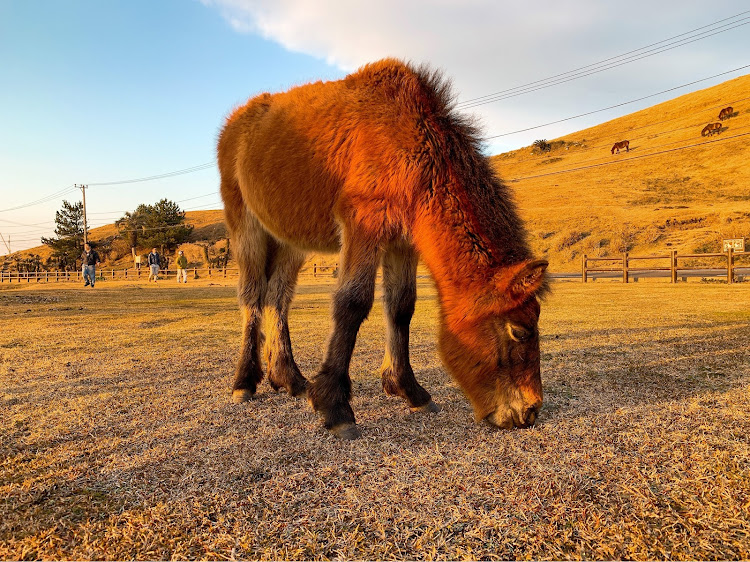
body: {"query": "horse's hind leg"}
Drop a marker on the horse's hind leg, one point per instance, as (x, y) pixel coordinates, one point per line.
(399, 297)
(283, 265)
(250, 241)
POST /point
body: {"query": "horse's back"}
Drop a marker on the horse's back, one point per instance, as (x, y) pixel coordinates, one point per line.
(268, 164)
(301, 160)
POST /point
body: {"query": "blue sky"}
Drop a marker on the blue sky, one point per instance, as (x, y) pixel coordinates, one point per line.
(98, 91)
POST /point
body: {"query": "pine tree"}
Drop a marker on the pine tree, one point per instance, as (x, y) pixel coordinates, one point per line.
(159, 225)
(133, 225)
(67, 245)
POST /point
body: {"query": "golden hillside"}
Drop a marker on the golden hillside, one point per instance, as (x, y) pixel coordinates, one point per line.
(674, 189)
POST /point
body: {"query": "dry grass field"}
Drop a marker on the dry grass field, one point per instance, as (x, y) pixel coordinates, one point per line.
(118, 439)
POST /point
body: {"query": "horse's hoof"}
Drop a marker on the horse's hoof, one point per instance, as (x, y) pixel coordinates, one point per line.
(430, 408)
(300, 394)
(242, 395)
(347, 431)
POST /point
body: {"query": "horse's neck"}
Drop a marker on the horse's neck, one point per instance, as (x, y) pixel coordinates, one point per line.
(461, 270)
(464, 260)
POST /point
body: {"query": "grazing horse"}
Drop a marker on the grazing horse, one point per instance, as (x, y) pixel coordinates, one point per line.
(710, 129)
(379, 167)
(622, 144)
(726, 113)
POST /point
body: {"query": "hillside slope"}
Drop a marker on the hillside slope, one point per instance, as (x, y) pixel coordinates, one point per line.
(673, 189)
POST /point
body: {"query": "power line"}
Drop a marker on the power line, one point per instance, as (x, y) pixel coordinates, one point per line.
(45, 199)
(625, 160)
(616, 105)
(190, 170)
(16, 224)
(605, 64)
(178, 201)
(608, 157)
(649, 125)
(581, 75)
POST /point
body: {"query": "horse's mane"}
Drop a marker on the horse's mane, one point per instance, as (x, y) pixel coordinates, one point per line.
(449, 152)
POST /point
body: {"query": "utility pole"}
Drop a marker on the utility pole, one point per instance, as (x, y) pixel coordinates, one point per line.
(85, 228)
(7, 244)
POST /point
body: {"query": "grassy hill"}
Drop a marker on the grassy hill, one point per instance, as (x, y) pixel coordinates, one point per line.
(673, 189)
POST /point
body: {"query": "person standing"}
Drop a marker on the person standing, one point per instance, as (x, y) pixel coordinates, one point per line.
(182, 268)
(89, 261)
(153, 264)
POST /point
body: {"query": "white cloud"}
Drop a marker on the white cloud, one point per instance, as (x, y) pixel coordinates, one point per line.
(486, 46)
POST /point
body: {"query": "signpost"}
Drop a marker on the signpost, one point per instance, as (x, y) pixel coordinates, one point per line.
(736, 244)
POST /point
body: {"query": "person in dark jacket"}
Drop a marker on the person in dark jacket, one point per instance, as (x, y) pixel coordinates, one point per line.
(153, 264)
(89, 260)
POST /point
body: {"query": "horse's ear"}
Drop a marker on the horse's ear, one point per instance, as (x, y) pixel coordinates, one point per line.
(529, 280)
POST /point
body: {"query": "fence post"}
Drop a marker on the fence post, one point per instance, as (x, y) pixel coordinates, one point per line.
(730, 266)
(195, 273)
(673, 265)
(625, 267)
(584, 273)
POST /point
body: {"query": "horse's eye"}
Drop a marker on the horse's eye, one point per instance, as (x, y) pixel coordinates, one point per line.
(519, 333)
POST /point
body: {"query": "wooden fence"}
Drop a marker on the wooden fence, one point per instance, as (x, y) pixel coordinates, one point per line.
(135, 274)
(671, 262)
(622, 264)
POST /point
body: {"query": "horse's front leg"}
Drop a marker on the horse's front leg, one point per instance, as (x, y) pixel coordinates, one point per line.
(399, 297)
(331, 389)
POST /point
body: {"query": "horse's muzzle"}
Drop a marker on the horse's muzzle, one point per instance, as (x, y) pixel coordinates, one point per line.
(510, 417)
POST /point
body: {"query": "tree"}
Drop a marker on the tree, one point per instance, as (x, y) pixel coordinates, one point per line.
(67, 245)
(161, 224)
(132, 224)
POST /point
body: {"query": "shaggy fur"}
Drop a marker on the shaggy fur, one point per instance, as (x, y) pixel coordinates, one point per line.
(710, 129)
(622, 144)
(379, 167)
(726, 113)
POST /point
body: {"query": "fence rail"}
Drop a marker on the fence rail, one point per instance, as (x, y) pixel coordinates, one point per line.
(622, 264)
(135, 274)
(625, 261)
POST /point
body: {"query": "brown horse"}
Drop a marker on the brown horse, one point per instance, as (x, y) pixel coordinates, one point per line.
(622, 144)
(726, 113)
(379, 167)
(710, 129)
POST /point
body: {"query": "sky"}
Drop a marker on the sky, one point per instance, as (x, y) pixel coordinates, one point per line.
(128, 96)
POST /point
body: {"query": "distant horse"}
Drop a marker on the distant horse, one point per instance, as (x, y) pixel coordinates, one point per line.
(379, 167)
(710, 129)
(726, 113)
(622, 144)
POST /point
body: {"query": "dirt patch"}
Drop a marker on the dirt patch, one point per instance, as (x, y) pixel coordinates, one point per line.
(28, 299)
